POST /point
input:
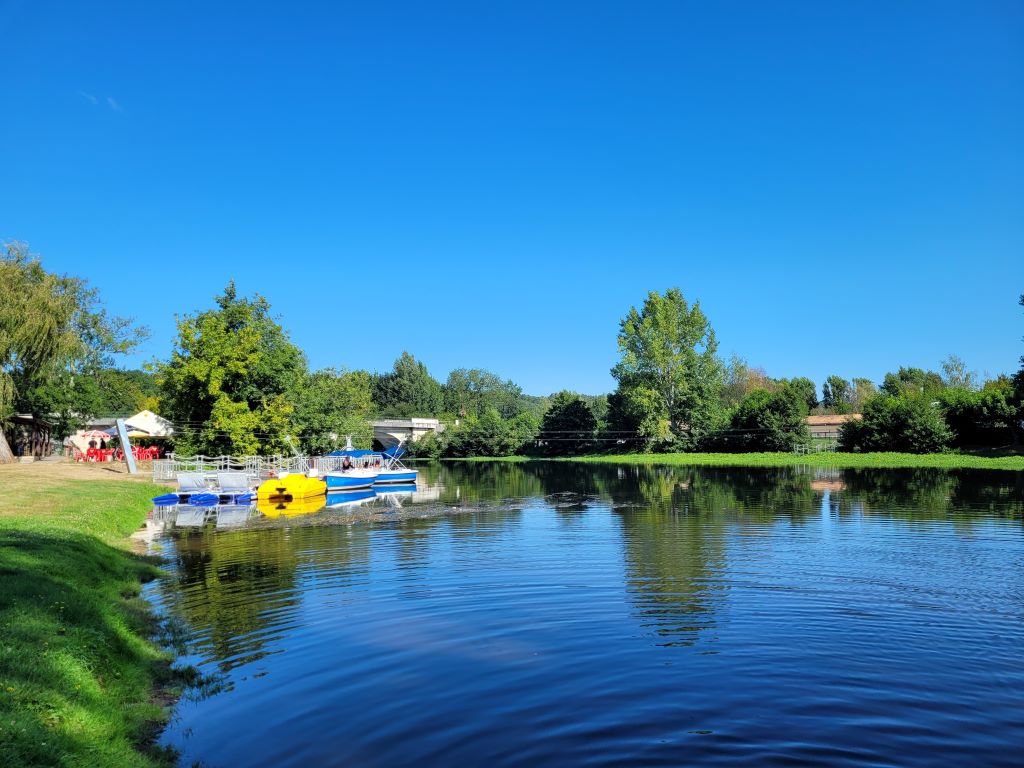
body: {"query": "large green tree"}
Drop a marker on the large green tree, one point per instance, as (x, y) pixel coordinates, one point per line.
(471, 392)
(668, 347)
(55, 340)
(331, 406)
(569, 425)
(408, 390)
(229, 384)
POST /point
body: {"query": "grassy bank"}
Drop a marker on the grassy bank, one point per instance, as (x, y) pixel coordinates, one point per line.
(77, 672)
(825, 459)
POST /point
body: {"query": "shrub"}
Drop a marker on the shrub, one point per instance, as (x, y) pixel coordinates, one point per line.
(906, 423)
(765, 421)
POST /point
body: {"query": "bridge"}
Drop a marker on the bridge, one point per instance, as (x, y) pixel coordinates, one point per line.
(389, 432)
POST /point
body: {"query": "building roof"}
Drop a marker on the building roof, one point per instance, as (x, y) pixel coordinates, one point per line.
(831, 419)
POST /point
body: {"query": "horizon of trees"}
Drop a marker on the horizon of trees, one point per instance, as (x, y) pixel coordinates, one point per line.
(235, 383)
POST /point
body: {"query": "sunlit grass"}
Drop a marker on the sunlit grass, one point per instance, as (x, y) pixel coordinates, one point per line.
(824, 459)
(77, 671)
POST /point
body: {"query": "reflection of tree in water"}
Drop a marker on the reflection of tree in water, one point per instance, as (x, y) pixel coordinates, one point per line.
(1000, 493)
(466, 482)
(760, 493)
(930, 494)
(238, 591)
(675, 523)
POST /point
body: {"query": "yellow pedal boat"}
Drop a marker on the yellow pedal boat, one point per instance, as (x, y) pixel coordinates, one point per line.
(290, 487)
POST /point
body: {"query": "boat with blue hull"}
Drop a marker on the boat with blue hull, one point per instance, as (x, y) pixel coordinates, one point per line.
(393, 470)
(349, 480)
(352, 469)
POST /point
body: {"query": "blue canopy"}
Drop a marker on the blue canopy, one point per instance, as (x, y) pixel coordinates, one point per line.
(395, 452)
(354, 454)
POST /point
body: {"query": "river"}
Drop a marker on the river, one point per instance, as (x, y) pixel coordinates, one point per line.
(568, 614)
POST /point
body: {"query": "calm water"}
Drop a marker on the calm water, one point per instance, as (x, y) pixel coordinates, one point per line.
(569, 614)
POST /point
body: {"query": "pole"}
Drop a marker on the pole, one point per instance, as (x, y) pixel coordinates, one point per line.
(126, 446)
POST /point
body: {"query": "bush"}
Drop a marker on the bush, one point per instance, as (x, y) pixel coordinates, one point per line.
(765, 421)
(980, 417)
(568, 427)
(906, 423)
(490, 435)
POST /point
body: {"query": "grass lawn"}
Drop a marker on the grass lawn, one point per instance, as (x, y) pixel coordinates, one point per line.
(78, 673)
(980, 460)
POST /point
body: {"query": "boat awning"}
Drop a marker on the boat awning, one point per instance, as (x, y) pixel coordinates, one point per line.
(355, 454)
(395, 452)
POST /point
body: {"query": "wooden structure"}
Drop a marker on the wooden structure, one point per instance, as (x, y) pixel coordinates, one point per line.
(29, 436)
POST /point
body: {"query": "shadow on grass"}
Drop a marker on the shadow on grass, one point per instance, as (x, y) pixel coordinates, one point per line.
(77, 672)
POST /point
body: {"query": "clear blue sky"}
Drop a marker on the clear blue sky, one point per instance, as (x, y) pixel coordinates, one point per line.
(841, 185)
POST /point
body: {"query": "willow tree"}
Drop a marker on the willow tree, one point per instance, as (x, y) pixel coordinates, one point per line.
(53, 334)
(667, 347)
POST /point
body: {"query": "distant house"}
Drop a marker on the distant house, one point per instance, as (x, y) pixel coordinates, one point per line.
(827, 426)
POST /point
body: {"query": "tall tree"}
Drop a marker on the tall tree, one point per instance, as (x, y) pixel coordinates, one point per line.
(861, 391)
(913, 381)
(408, 390)
(835, 394)
(740, 380)
(668, 347)
(54, 337)
(956, 375)
(229, 382)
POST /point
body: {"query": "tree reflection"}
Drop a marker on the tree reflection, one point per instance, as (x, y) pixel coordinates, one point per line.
(930, 494)
(239, 591)
(468, 482)
(676, 523)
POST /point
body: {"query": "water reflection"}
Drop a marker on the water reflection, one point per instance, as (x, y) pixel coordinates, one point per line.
(613, 614)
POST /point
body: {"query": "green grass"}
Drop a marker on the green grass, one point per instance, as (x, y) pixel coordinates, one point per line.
(981, 460)
(837, 460)
(78, 673)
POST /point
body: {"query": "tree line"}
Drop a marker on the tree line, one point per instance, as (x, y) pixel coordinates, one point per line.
(236, 383)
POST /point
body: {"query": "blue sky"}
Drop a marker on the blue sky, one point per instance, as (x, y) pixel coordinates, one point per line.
(841, 185)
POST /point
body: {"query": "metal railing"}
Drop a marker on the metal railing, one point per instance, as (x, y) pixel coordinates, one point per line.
(820, 446)
(334, 463)
(258, 468)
